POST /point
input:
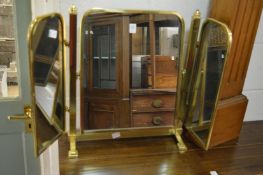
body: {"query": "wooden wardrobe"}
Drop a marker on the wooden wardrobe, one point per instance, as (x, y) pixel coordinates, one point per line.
(242, 17)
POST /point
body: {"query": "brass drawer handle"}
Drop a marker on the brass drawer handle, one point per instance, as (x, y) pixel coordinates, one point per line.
(157, 120)
(157, 103)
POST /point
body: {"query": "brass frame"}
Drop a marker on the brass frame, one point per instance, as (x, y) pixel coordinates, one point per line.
(193, 34)
(191, 51)
(31, 30)
(192, 128)
(202, 94)
(175, 130)
(73, 152)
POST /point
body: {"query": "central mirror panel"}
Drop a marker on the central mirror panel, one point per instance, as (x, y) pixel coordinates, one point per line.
(130, 68)
(46, 58)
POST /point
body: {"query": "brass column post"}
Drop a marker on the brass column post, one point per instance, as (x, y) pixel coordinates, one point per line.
(73, 152)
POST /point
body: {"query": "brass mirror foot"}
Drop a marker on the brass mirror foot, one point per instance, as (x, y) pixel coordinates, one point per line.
(73, 152)
(181, 146)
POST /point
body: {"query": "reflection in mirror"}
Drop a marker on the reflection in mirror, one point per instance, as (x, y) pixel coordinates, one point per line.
(46, 64)
(140, 44)
(215, 43)
(164, 46)
(46, 52)
(130, 59)
(104, 64)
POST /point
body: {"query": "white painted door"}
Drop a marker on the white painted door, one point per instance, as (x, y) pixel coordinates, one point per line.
(17, 151)
(16, 146)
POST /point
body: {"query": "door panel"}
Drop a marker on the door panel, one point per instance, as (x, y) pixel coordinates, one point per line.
(12, 142)
(45, 119)
(16, 145)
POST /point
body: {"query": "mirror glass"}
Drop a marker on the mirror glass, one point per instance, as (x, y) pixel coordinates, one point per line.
(104, 56)
(46, 56)
(126, 53)
(163, 45)
(211, 58)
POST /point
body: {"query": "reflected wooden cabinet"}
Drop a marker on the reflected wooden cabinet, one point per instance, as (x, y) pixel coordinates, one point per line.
(165, 72)
(151, 108)
(127, 69)
(103, 114)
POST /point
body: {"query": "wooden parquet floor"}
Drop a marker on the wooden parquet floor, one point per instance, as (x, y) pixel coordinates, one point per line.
(159, 156)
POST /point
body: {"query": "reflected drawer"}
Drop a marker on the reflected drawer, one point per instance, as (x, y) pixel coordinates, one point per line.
(147, 103)
(149, 119)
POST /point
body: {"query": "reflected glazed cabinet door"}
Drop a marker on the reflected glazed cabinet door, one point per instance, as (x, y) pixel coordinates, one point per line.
(106, 95)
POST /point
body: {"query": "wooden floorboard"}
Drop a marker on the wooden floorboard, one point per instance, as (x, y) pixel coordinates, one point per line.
(160, 156)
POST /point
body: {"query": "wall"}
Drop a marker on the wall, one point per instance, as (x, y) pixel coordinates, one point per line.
(40, 7)
(185, 7)
(253, 87)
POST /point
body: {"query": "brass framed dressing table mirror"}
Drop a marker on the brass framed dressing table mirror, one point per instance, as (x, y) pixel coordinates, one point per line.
(45, 116)
(135, 80)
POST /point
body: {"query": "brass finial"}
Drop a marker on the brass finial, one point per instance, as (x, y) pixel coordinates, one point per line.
(197, 13)
(73, 10)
